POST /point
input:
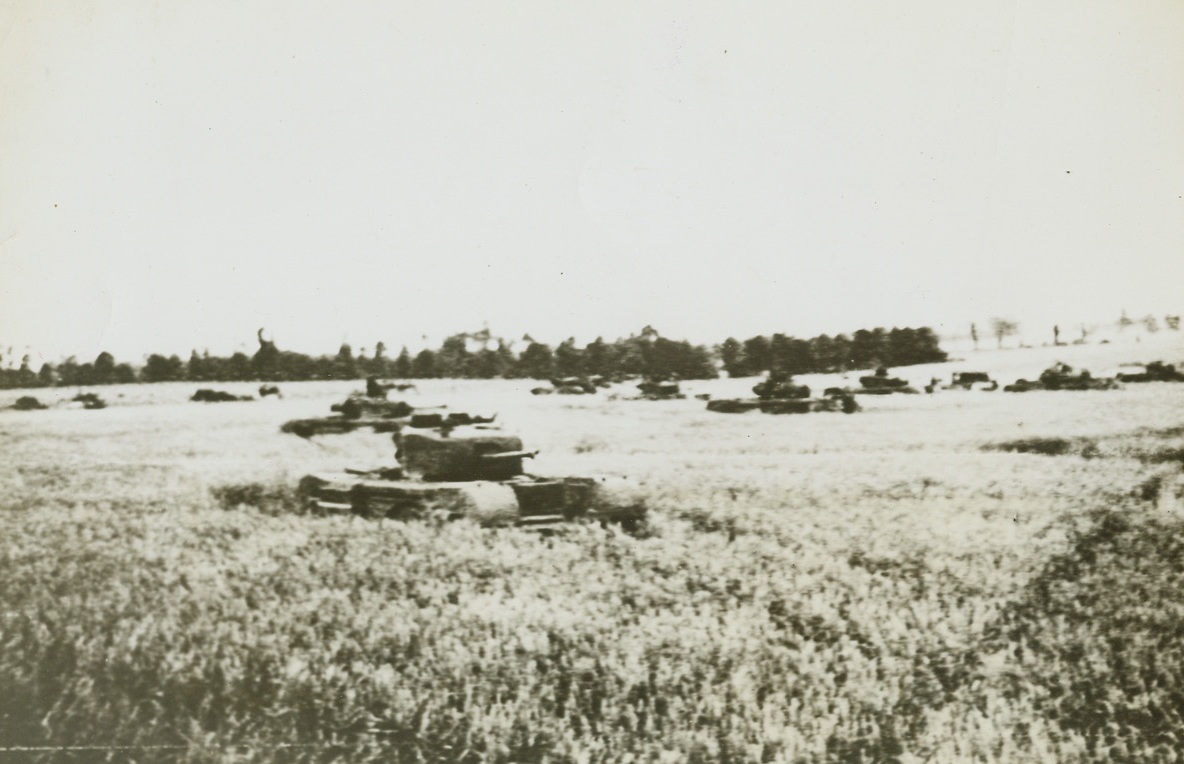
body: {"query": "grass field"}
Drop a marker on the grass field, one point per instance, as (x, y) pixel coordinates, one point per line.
(921, 581)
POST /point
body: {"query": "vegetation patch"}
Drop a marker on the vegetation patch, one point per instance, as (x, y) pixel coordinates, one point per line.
(1048, 446)
(1093, 641)
(269, 498)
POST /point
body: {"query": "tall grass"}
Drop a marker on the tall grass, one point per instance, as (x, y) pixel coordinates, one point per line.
(813, 589)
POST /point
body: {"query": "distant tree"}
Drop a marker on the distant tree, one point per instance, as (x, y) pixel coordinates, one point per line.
(568, 359)
(869, 348)
(161, 369)
(68, 372)
(731, 355)
(103, 369)
(494, 359)
(757, 355)
(453, 357)
(24, 376)
(346, 366)
(842, 352)
(1172, 322)
(792, 355)
(537, 361)
(47, 376)
(599, 358)
(424, 365)
(402, 367)
(1150, 323)
(826, 354)
(123, 374)
(238, 367)
(1124, 321)
(1003, 328)
(911, 346)
(631, 355)
(198, 368)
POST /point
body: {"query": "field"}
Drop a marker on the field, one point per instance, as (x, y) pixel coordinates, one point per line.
(955, 577)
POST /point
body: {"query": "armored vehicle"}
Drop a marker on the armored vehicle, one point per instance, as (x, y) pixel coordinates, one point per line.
(474, 471)
(660, 390)
(882, 384)
(971, 380)
(779, 395)
(1156, 371)
(1061, 376)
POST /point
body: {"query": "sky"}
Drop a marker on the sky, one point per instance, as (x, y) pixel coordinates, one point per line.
(175, 175)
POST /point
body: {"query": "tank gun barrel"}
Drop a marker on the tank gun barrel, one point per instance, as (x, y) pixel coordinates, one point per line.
(508, 456)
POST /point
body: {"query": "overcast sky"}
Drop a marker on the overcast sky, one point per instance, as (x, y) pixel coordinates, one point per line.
(175, 175)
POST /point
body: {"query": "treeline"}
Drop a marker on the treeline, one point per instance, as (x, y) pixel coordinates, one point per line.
(824, 354)
(480, 355)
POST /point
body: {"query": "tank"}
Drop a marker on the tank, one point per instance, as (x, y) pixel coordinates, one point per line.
(971, 380)
(1061, 376)
(369, 410)
(1156, 371)
(882, 384)
(777, 394)
(656, 389)
(477, 471)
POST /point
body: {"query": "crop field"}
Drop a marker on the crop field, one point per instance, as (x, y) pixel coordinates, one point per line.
(964, 576)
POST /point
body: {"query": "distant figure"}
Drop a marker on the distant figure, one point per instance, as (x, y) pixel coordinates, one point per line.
(375, 389)
(1056, 335)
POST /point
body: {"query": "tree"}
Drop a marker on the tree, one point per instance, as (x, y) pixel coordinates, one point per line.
(598, 358)
(791, 355)
(869, 348)
(123, 374)
(104, 369)
(731, 354)
(161, 369)
(1003, 328)
(403, 364)
(424, 365)
(757, 355)
(345, 367)
(537, 361)
(568, 359)
(47, 376)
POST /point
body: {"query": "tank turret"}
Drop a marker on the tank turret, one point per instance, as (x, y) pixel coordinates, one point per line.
(474, 452)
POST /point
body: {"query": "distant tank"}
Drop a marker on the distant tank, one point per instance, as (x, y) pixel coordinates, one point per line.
(90, 401)
(971, 380)
(371, 410)
(474, 471)
(1061, 376)
(1156, 371)
(657, 389)
(572, 386)
(206, 395)
(777, 394)
(882, 384)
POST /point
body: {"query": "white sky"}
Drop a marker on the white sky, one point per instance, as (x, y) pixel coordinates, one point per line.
(174, 175)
